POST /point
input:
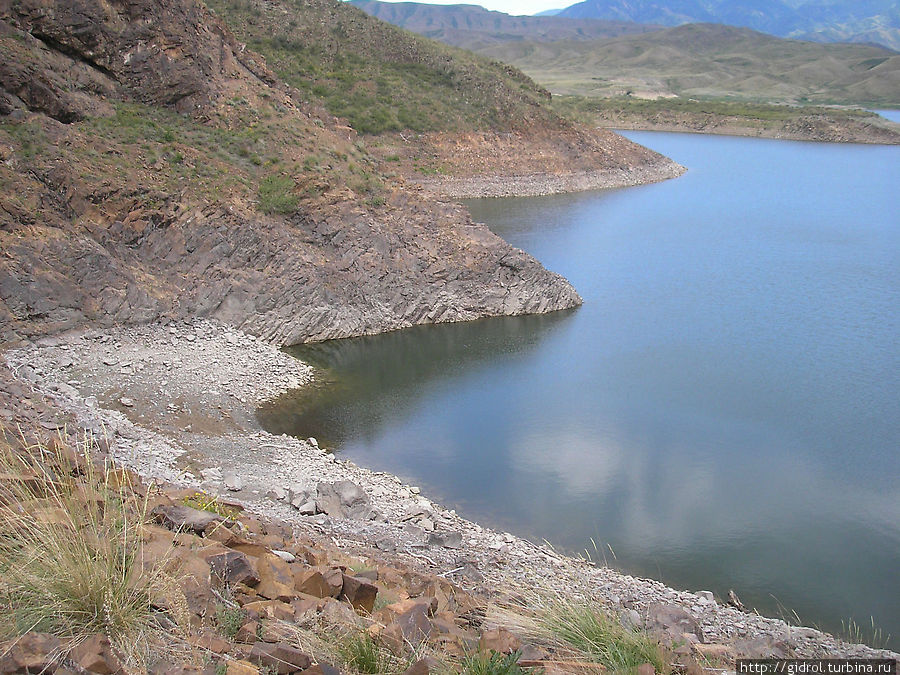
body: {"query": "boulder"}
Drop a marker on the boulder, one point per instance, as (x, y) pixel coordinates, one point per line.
(672, 620)
(96, 655)
(319, 582)
(279, 656)
(234, 567)
(276, 580)
(343, 499)
(359, 593)
(233, 482)
(178, 517)
(33, 652)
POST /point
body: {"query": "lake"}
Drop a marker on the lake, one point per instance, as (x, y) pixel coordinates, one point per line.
(722, 413)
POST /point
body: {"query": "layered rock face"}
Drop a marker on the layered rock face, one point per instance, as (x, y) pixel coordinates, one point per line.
(95, 232)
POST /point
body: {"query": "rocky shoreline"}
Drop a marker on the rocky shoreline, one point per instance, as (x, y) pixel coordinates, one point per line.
(176, 403)
(539, 184)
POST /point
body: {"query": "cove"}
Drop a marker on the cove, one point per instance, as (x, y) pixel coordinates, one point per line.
(723, 412)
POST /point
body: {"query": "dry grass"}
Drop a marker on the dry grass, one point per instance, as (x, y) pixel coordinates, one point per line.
(70, 552)
(578, 629)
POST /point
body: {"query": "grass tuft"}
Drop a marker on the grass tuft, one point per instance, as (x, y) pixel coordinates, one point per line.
(579, 630)
(480, 663)
(69, 550)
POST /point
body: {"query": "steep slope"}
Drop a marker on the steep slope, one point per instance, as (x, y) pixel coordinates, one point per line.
(476, 122)
(151, 166)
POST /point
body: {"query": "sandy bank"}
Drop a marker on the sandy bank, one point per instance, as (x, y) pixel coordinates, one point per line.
(177, 403)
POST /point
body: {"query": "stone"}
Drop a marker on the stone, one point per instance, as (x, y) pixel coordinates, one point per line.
(277, 494)
(706, 597)
(276, 579)
(761, 647)
(359, 593)
(499, 640)
(96, 655)
(321, 669)
(178, 517)
(233, 567)
(420, 667)
(241, 668)
(563, 667)
(410, 628)
(449, 539)
(630, 619)
(127, 402)
(211, 643)
(343, 499)
(646, 669)
(30, 653)
(321, 582)
(233, 482)
(672, 620)
(280, 656)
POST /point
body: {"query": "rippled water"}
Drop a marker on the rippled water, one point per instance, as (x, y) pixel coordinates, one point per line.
(724, 410)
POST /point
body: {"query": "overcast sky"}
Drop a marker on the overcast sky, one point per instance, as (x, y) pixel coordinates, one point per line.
(509, 6)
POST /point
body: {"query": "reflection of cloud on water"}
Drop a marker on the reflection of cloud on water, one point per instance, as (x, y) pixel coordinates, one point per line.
(677, 499)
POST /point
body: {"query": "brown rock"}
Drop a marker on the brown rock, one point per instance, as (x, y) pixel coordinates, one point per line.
(312, 582)
(276, 631)
(428, 604)
(646, 669)
(499, 640)
(420, 667)
(276, 580)
(271, 609)
(241, 668)
(672, 620)
(96, 655)
(562, 667)
(321, 669)
(248, 633)
(183, 518)
(233, 567)
(359, 593)
(282, 657)
(410, 628)
(33, 652)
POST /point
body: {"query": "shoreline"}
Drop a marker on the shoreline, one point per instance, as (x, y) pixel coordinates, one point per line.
(543, 184)
(851, 137)
(177, 403)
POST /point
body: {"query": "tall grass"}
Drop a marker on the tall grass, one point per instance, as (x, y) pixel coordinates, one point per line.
(69, 549)
(580, 630)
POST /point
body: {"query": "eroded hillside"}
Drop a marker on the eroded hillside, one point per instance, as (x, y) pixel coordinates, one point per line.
(153, 166)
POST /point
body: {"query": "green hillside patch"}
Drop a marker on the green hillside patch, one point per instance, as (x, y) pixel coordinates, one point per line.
(381, 78)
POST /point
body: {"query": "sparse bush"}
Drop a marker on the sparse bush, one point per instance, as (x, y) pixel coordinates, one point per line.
(362, 654)
(276, 195)
(229, 620)
(203, 501)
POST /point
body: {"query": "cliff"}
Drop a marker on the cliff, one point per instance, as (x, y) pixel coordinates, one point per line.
(152, 166)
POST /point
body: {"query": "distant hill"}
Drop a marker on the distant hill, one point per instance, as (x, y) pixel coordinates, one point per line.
(821, 20)
(473, 27)
(712, 61)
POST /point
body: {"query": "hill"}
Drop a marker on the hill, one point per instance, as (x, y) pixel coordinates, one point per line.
(152, 166)
(472, 27)
(822, 20)
(712, 61)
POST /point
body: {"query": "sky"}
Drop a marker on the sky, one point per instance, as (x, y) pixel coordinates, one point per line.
(508, 6)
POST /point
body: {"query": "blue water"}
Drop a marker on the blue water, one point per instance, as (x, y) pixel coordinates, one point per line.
(892, 115)
(722, 413)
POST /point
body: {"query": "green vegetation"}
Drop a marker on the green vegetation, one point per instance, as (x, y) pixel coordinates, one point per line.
(204, 501)
(362, 654)
(645, 108)
(230, 619)
(69, 561)
(580, 630)
(378, 77)
(480, 663)
(276, 195)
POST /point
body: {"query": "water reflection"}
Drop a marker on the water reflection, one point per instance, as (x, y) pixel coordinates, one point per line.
(367, 382)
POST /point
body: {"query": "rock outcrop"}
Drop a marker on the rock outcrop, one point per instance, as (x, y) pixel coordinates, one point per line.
(108, 216)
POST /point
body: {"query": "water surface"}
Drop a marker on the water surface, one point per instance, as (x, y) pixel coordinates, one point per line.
(724, 410)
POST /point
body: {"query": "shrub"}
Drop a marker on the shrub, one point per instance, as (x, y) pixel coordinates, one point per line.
(276, 195)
